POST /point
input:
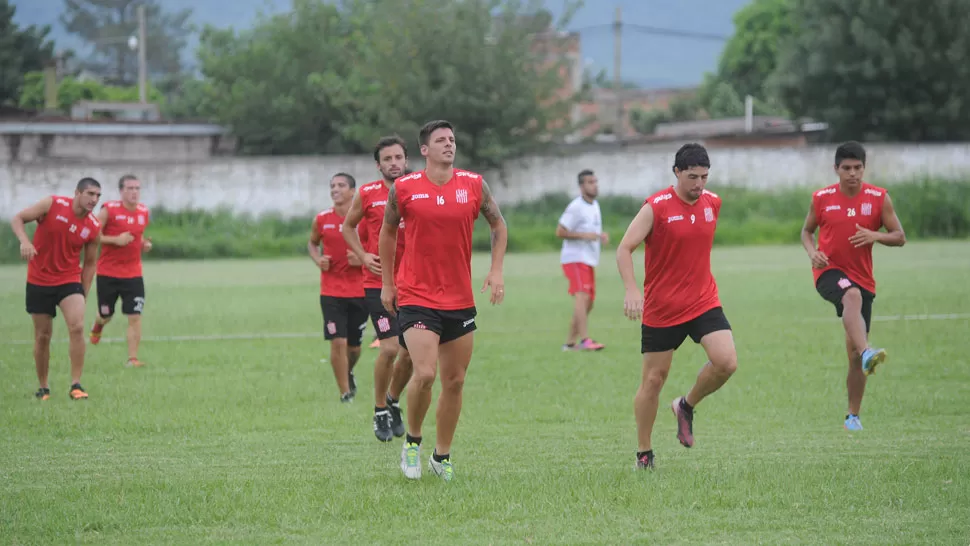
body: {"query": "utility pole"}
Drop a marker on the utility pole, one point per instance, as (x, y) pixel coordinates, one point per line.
(617, 81)
(142, 56)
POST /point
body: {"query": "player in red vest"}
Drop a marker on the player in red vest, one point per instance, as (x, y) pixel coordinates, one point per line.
(55, 276)
(361, 231)
(341, 285)
(848, 216)
(432, 294)
(679, 297)
(123, 240)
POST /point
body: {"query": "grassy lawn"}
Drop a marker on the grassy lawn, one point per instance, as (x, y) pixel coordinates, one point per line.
(233, 432)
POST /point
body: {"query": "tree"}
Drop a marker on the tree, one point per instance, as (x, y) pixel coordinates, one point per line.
(751, 55)
(71, 90)
(107, 25)
(880, 69)
(335, 78)
(21, 51)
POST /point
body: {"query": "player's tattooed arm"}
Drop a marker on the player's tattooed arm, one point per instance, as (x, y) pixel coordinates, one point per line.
(489, 208)
(392, 215)
(387, 244)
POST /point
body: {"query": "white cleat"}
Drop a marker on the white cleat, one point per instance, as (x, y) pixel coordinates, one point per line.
(411, 461)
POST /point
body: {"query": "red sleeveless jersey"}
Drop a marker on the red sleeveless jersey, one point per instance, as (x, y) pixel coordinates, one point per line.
(837, 215)
(678, 285)
(123, 262)
(59, 238)
(342, 280)
(436, 269)
(373, 199)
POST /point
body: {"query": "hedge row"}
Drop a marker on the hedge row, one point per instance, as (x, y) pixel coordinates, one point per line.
(927, 209)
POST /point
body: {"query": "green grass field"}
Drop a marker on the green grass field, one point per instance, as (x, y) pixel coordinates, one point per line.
(226, 437)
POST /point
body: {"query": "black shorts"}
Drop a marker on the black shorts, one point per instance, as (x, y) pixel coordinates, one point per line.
(43, 300)
(385, 324)
(449, 325)
(131, 291)
(658, 340)
(833, 284)
(344, 317)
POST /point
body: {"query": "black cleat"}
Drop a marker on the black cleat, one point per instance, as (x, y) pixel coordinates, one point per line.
(645, 462)
(397, 424)
(353, 384)
(43, 393)
(382, 425)
(347, 397)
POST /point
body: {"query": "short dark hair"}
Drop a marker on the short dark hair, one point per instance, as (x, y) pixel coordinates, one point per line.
(387, 142)
(125, 178)
(581, 177)
(691, 155)
(850, 150)
(431, 127)
(86, 183)
(350, 179)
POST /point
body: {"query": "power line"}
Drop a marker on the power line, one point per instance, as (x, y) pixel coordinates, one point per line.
(657, 31)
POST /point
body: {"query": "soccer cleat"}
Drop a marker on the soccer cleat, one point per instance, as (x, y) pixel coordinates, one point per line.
(134, 363)
(568, 347)
(852, 422)
(347, 397)
(685, 423)
(43, 393)
(77, 393)
(444, 469)
(397, 424)
(872, 358)
(645, 462)
(353, 384)
(382, 425)
(590, 345)
(411, 461)
(95, 337)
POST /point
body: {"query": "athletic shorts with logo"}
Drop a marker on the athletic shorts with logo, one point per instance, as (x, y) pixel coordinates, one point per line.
(833, 284)
(43, 300)
(131, 291)
(658, 340)
(582, 278)
(449, 325)
(385, 324)
(344, 318)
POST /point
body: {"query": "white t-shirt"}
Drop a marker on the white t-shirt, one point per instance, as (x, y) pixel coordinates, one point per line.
(581, 216)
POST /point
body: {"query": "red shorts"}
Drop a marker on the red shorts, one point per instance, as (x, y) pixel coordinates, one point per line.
(581, 278)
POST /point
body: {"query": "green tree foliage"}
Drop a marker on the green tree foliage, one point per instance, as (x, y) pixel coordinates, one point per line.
(71, 90)
(880, 69)
(21, 50)
(334, 78)
(107, 24)
(751, 55)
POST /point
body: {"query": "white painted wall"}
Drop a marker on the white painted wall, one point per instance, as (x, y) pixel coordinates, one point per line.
(298, 185)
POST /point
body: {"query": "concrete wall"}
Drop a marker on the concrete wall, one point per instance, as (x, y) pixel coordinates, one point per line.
(298, 185)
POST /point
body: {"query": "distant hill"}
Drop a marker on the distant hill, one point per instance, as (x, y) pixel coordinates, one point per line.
(648, 60)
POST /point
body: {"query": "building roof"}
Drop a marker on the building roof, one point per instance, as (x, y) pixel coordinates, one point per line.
(109, 128)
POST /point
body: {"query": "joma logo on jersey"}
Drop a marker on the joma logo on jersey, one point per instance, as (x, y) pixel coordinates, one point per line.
(461, 196)
(833, 207)
(866, 209)
(61, 219)
(663, 197)
(378, 203)
(420, 196)
(330, 226)
(674, 218)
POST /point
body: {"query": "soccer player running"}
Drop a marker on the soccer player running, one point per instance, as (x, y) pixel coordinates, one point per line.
(581, 229)
(123, 240)
(433, 293)
(55, 276)
(679, 296)
(367, 210)
(341, 285)
(848, 216)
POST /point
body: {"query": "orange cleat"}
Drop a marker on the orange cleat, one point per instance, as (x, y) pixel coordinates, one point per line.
(134, 363)
(77, 393)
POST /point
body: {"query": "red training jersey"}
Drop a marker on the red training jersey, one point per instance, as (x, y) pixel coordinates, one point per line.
(373, 200)
(678, 285)
(59, 238)
(123, 262)
(342, 280)
(436, 270)
(837, 215)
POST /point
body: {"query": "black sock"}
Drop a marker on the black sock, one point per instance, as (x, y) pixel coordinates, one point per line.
(412, 440)
(378, 410)
(641, 454)
(390, 401)
(438, 458)
(685, 406)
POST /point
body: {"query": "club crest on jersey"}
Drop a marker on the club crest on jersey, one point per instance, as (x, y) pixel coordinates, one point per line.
(461, 196)
(141, 220)
(708, 214)
(866, 209)
(85, 232)
(850, 212)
